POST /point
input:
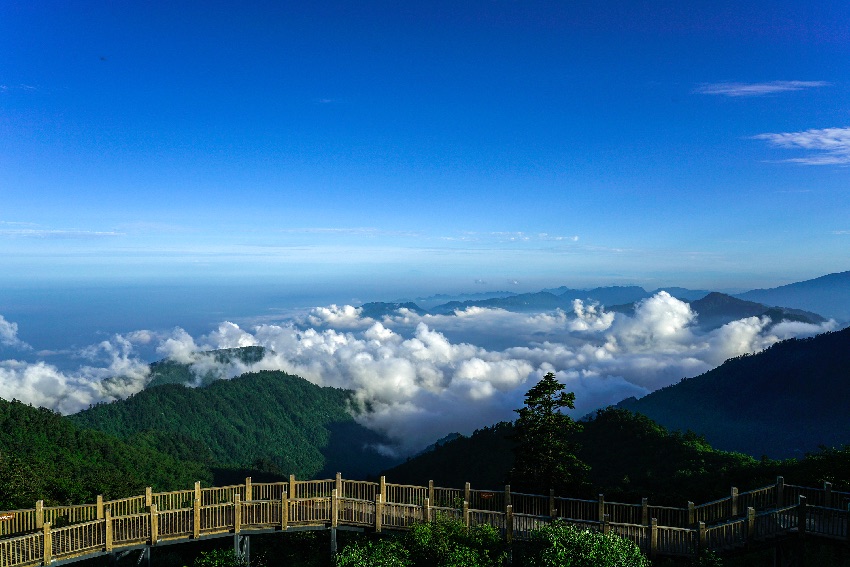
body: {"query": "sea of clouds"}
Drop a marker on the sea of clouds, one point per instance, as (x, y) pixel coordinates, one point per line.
(422, 376)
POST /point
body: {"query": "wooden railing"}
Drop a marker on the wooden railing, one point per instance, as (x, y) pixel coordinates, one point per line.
(40, 535)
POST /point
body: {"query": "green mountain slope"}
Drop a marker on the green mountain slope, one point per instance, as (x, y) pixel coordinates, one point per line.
(46, 456)
(630, 457)
(782, 402)
(265, 420)
(170, 372)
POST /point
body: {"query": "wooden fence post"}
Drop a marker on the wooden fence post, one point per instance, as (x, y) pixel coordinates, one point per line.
(249, 489)
(99, 507)
(780, 490)
(702, 536)
(734, 496)
(293, 491)
(601, 511)
(552, 511)
(431, 492)
(507, 496)
(692, 516)
(284, 510)
(237, 513)
(509, 523)
(334, 508)
(847, 523)
(801, 516)
(379, 511)
(827, 495)
(39, 514)
(47, 548)
(154, 520)
(148, 496)
(196, 518)
(606, 519)
(107, 538)
(466, 513)
(197, 490)
(751, 524)
(383, 486)
(339, 485)
(426, 513)
(466, 491)
(644, 511)
(653, 538)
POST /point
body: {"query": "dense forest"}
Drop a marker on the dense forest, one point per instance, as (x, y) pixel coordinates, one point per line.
(782, 402)
(44, 456)
(266, 421)
(629, 457)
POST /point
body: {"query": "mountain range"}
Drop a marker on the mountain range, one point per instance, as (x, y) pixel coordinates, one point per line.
(828, 295)
(782, 402)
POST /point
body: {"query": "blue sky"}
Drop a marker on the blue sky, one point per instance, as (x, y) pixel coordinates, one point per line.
(425, 145)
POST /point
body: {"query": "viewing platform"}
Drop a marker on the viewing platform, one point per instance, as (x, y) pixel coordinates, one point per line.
(61, 534)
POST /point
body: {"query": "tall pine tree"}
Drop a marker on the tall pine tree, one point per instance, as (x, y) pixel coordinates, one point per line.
(545, 455)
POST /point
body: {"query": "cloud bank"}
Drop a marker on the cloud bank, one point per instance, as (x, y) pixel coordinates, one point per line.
(419, 377)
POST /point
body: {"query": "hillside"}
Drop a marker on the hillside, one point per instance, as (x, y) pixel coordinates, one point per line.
(828, 295)
(782, 402)
(46, 456)
(621, 448)
(265, 420)
(168, 371)
(716, 309)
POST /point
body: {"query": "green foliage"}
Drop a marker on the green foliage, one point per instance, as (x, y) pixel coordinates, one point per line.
(382, 553)
(771, 403)
(458, 461)
(562, 545)
(545, 453)
(45, 456)
(218, 558)
(280, 421)
(449, 543)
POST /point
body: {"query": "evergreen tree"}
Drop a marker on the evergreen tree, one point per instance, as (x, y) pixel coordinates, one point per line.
(545, 455)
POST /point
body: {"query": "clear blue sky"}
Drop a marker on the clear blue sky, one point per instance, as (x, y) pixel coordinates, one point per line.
(426, 143)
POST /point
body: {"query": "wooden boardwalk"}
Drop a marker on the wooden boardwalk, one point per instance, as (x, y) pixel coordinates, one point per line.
(42, 535)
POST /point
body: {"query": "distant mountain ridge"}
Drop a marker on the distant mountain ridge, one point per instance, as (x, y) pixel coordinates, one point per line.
(782, 402)
(828, 295)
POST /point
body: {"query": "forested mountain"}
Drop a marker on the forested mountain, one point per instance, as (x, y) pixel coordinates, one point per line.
(46, 456)
(379, 309)
(828, 295)
(168, 371)
(716, 309)
(630, 457)
(266, 420)
(621, 448)
(782, 402)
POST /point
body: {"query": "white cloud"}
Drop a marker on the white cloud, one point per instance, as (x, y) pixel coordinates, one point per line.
(423, 376)
(828, 146)
(118, 376)
(757, 89)
(60, 234)
(9, 335)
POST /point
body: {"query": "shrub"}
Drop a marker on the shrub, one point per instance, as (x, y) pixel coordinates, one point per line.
(383, 553)
(562, 545)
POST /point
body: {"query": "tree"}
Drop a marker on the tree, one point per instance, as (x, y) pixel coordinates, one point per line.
(545, 454)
